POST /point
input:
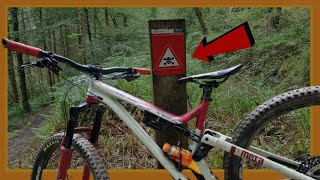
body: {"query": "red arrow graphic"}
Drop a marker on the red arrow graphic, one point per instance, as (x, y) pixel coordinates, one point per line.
(238, 38)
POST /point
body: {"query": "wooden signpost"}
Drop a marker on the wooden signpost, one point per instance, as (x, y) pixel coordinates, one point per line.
(168, 65)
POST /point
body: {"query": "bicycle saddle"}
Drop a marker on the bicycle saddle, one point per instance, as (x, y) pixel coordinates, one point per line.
(213, 75)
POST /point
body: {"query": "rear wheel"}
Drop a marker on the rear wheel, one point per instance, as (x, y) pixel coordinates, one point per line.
(84, 153)
(280, 126)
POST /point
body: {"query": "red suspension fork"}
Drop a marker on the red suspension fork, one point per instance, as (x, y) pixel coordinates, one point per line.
(65, 159)
(86, 172)
(66, 144)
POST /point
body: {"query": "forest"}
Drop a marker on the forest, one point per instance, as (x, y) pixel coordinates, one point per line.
(279, 61)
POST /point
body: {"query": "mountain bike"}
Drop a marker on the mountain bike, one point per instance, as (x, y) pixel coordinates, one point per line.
(79, 143)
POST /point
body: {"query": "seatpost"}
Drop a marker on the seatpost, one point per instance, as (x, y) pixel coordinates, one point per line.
(206, 95)
(207, 89)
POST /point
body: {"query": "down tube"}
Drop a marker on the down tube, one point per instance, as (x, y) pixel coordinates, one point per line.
(144, 137)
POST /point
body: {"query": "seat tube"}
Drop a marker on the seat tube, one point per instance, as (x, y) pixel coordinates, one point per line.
(205, 101)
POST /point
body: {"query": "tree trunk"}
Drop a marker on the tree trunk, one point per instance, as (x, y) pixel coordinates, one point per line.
(41, 78)
(174, 98)
(198, 12)
(49, 79)
(86, 11)
(22, 78)
(41, 27)
(12, 77)
(62, 41)
(49, 38)
(81, 39)
(27, 59)
(54, 50)
(125, 19)
(50, 46)
(106, 16)
(45, 47)
(68, 51)
(114, 20)
(95, 17)
(54, 41)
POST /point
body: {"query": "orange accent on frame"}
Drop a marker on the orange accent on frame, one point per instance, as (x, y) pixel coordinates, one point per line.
(155, 174)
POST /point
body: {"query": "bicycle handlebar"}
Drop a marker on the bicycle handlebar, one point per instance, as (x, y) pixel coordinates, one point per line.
(21, 48)
(36, 52)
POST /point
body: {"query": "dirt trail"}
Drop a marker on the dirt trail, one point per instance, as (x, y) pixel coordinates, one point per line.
(26, 137)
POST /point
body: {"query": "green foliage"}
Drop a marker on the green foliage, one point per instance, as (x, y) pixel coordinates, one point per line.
(74, 96)
(14, 114)
(279, 60)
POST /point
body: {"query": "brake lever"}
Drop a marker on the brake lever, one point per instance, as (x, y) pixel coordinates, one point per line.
(128, 76)
(131, 77)
(51, 64)
(28, 65)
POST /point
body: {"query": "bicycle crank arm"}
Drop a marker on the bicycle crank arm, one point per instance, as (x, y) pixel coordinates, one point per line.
(216, 140)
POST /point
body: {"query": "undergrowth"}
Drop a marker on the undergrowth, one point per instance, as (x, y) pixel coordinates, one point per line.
(279, 61)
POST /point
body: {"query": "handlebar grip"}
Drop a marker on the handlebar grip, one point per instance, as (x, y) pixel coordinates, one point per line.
(143, 71)
(21, 48)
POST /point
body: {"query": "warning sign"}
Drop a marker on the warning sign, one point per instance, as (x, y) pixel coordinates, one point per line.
(168, 59)
(168, 52)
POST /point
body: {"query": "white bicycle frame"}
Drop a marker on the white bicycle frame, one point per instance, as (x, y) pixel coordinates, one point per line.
(111, 96)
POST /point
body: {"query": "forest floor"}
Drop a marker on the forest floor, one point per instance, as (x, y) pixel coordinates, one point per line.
(24, 139)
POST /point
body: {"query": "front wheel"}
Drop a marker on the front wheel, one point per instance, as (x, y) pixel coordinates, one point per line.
(84, 154)
(280, 126)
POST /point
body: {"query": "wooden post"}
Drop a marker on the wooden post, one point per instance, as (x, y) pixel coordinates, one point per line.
(167, 93)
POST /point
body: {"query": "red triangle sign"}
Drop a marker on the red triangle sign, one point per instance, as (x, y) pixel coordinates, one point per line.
(168, 59)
